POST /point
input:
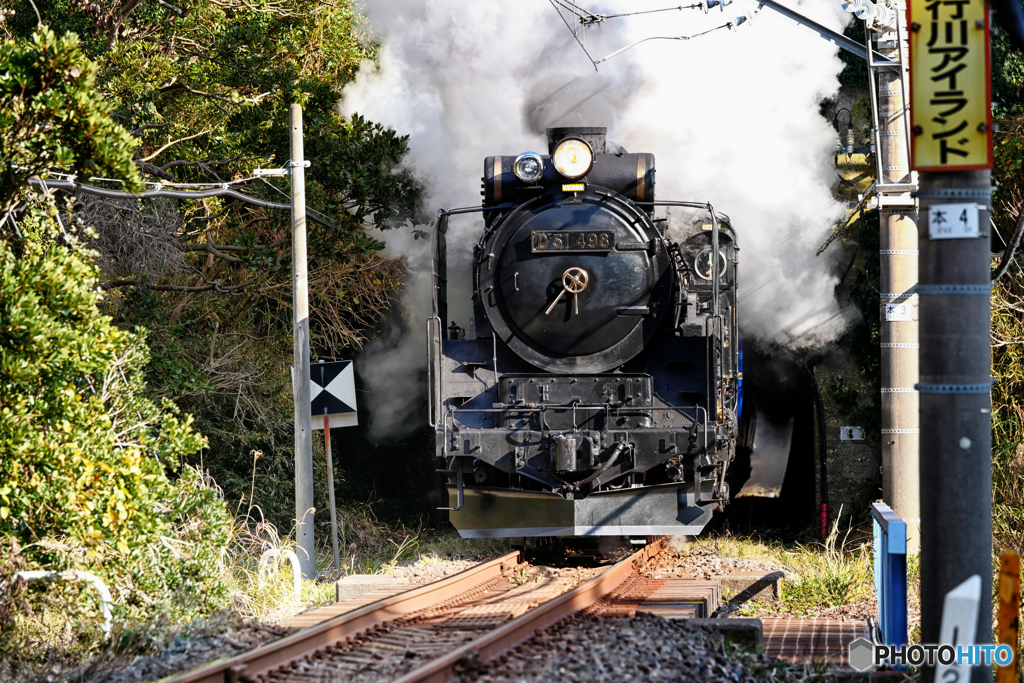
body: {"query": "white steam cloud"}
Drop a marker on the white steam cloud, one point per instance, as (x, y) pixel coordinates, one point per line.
(731, 116)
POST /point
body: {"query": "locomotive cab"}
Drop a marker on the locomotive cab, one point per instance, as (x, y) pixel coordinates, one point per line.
(598, 395)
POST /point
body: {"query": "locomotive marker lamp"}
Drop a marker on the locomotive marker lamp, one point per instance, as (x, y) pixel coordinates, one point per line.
(528, 167)
(573, 158)
(574, 281)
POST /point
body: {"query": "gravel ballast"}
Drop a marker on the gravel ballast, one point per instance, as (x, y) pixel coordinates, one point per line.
(619, 649)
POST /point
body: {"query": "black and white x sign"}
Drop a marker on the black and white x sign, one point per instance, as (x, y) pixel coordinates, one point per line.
(332, 392)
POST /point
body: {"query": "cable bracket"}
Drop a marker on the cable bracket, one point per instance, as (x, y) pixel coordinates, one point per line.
(899, 390)
(898, 252)
(953, 193)
(954, 388)
(901, 431)
(891, 345)
(954, 289)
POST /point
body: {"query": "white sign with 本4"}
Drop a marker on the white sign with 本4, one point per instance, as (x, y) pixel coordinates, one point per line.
(953, 221)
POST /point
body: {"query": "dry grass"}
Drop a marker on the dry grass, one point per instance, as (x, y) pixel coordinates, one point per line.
(1008, 412)
(822, 576)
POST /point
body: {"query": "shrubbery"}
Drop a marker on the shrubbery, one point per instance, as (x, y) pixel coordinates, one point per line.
(83, 455)
(91, 473)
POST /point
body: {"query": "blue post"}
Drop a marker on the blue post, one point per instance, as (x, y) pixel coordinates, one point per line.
(890, 534)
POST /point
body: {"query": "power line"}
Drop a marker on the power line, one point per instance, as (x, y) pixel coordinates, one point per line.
(587, 18)
(573, 31)
(223, 190)
(282, 192)
(727, 25)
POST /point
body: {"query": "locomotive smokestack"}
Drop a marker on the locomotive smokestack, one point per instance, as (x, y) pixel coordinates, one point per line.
(595, 137)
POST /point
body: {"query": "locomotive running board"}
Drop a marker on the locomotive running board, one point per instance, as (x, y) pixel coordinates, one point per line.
(666, 510)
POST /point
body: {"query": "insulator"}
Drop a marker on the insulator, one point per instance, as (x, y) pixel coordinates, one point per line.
(849, 140)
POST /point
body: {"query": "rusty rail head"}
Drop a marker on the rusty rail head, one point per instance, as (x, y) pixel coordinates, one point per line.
(305, 642)
(511, 634)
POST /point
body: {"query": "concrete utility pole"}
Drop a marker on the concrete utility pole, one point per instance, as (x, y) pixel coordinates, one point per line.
(898, 275)
(956, 430)
(952, 151)
(304, 509)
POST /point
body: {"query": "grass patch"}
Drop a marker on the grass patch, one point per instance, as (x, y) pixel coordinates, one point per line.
(829, 574)
(43, 630)
(834, 573)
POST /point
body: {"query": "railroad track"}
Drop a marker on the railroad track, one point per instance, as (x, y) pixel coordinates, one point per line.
(432, 632)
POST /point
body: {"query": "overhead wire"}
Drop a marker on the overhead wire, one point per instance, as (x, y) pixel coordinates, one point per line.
(573, 32)
(285, 194)
(220, 190)
(587, 18)
(727, 24)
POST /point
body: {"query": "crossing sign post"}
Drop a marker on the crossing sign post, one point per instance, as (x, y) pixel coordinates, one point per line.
(332, 394)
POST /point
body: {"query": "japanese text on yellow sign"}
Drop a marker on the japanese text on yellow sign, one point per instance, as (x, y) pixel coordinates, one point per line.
(950, 99)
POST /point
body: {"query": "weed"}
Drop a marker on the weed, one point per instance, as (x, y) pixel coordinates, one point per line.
(830, 574)
(518, 577)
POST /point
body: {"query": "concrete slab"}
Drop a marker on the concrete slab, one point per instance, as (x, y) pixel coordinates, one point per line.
(683, 598)
(742, 631)
(354, 585)
(741, 587)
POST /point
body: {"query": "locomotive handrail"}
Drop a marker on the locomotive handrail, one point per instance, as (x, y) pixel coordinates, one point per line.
(664, 202)
(719, 362)
(433, 372)
(476, 209)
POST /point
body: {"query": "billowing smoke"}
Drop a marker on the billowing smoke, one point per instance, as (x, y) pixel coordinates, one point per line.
(770, 457)
(731, 116)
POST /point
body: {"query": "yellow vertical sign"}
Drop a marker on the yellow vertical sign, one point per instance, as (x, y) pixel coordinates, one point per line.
(950, 85)
(1008, 592)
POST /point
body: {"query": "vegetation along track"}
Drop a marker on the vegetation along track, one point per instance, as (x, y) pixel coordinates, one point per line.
(429, 633)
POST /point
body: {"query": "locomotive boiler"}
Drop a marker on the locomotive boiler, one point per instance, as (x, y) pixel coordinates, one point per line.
(596, 389)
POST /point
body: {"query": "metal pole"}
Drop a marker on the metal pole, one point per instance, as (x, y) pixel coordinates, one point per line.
(304, 509)
(330, 492)
(898, 275)
(956, 431)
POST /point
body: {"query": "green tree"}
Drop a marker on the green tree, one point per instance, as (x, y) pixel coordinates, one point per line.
(205, 89)
(85, 456)
(52, 115)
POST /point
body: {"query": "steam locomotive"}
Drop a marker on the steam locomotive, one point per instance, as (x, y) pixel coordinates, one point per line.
(598, 387)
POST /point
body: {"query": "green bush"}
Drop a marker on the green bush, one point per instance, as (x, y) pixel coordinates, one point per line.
(81, 452)
(83, 455)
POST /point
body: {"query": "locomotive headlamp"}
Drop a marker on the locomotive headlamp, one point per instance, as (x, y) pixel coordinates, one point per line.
(573, 158)
(528, 167)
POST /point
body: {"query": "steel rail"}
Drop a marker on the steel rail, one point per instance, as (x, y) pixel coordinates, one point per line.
(262, 660)
(520, 629)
